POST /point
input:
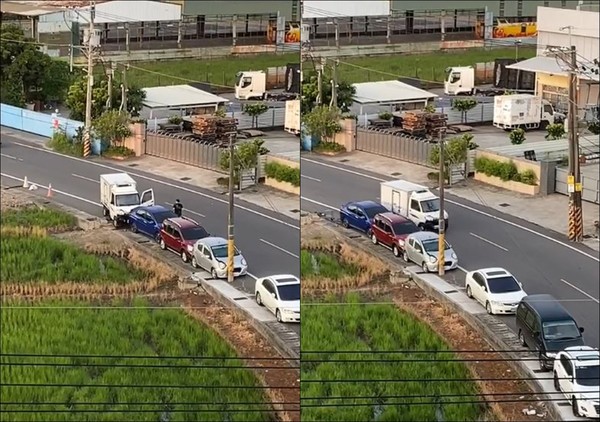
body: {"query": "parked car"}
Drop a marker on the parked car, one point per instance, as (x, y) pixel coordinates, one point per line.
(422, 249)
(577, 376)
(546, 327)
(280, 294)
(179, 234)
(496, 289)
(391, 230)
(210, 254)
(148, 220)
(360, 214)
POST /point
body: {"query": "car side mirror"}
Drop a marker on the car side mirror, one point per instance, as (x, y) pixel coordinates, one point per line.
(274, 295)
(581, 330)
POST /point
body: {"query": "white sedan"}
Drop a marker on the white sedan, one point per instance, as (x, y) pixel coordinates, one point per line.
(576, 375)
(280, 294)
(496, 289)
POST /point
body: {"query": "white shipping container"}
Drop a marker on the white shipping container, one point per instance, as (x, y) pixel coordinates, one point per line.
(292, 116)
(515, 110)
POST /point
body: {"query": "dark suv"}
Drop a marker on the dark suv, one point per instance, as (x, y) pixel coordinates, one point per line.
(180, 234)
(390, 230)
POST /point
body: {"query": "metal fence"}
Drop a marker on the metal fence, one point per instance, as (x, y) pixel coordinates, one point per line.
(401, 147)
(273, 118)
(184, 150)
(481, 113)
(591, 186)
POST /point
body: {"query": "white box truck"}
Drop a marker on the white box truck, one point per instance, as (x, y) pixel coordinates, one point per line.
(255, 85)
(524, 111)
(119, 195)
(292, 116)
(413, 201)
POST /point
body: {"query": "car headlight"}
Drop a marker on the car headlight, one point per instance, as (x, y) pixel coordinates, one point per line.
(495, 302)
(550, 355)
(244, 262)
(428, 218)
(454, 256)
(287, 311)
(222, 265)
(432, 259)
(190, 248)
(401, 242)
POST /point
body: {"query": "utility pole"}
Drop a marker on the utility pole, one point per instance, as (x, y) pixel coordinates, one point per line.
(124, 89)
(320, 81)
(441, 220)
(574, 178)
(334, 84)
(111, 74)
(87, 142)
(230, 237)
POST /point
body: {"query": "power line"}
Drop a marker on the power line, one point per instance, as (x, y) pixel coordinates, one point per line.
(183, 387)
(403, 380)
(149, 366)
(189, 357)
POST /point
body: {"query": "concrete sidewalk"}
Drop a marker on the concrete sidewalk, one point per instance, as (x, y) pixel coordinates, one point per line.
(547, 211)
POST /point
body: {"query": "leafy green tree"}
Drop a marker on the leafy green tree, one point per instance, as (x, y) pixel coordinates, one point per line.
(112, 127)
(310, 90)
(255, 110)
(464, 105)
(244, 158)
(323, 122)
(455, 152)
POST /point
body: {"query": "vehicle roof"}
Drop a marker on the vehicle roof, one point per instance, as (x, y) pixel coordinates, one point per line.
(494, 272)
(394, 218)
(154, 208)
(213, 241)
(284, 279)
(547, 307)
(424, 235)
(183, 222)
(366, 204)
(118, 178)
(404, 185)
(583, 355)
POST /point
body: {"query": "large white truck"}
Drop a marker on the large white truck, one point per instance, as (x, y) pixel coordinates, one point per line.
(119, 195)
(413, 201)
(254, 85)
(524, 111)
(292, 116)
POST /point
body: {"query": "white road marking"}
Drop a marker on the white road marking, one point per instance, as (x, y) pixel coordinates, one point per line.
(190, 211)
(11, 157)
(39, 185)
(580, 291)
(458, 204)
(253, 276)
(172, 185)
(464, 270)
(489, 241)
(85, 178)
(310, 178)
(279, 248)
(319, 203)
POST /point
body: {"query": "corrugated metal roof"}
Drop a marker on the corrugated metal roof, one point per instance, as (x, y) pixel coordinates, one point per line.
(389, 92)
(24, 8)
(179, 96)
(550, 65)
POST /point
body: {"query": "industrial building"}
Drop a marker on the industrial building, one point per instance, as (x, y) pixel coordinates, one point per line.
(290, 9)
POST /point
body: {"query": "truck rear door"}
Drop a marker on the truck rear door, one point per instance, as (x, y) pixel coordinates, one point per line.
(147, 198)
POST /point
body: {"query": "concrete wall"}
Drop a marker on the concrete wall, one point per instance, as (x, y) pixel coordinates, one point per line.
(34, 122)
(236, 7)
(521, 164)
(276, 184)
(347, 134)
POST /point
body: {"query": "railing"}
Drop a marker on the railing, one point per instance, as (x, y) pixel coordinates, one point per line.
(405, 148)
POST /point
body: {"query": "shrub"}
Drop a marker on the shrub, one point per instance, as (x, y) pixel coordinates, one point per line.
(175, 120)
(504, 170)
(283, 173)
(329, 147)
(385, 115)
(594, 127)
(517, 136)
(508, 171)
(120, 151)
(60, 142)
(555, 131)
(528, 177)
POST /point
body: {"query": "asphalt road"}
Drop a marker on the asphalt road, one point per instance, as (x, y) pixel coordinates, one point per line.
(541, 259)
(269, 241)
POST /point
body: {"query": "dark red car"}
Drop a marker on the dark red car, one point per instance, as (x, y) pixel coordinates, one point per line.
(390, 230)
(180, 234)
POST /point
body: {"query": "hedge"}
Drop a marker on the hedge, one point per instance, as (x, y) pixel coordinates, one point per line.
(283, 173)
(505, 170)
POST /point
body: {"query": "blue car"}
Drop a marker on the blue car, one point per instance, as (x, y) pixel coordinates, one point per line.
(359, 215)
(148, 220)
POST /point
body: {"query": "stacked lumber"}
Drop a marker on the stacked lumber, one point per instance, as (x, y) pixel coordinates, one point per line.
(414, 123)
(436, 122)
(204, 127)
(224, 126)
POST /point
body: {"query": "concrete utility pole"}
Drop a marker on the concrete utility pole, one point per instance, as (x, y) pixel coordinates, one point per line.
(230, 236)
(124, 89)
(441, 220)
(320, 81)
(87, 142)
(334, 84)
(111, 75)
(574, 178)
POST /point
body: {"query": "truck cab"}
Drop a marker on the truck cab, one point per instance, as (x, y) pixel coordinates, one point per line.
(460, 80)
(119, 195)
(250, 85)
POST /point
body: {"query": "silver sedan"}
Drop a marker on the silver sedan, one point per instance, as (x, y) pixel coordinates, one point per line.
(210, 254)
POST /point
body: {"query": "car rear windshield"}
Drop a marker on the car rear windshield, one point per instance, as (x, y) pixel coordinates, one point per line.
(433, 245)
(289, 291)
(190, 233)
(561, 330)
(588, 376)
(220, 251)
(374, 210)
(503, 285)
(162, 216)
(407, 227)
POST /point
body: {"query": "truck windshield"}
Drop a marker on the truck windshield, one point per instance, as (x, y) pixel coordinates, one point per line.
(454, 77)
(430, 205)
(127, 200)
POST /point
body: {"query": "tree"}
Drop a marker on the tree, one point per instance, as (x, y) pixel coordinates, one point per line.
(323, 122)
(464, 105)
(76, 98)
(112, 127)
(27, 74)
(244, 158)
(255, 110)
(310, 90)
(455, 152)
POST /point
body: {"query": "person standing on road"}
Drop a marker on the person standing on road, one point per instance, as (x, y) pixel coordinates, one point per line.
(178, 208)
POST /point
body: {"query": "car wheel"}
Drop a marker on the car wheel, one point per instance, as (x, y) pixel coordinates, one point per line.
(184, 256)
(104, 212)
(213, 274)
(405, 256)
(194, 262)
(278, 315)
(469, 292)
(488, 308)
(522, 339)
(163, 245)
(422, 227)
(374, 238)
(556, 384)
(133, 228)
(345, 223)
(258, 299)
(424, 267)
(575, 408)
(158, 238)
(396, 251)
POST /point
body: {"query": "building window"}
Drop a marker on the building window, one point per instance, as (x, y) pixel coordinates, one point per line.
(520, 8)
(501, 8)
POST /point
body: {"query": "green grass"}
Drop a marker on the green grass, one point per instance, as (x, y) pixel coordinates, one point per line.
(429, 66)
(216, 71)
(324, 265)
(134, 331)
(40, 217)
(357, 327)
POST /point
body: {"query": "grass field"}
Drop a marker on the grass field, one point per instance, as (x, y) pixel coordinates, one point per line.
(64, 327)
(324, 265)
(361, 328)
(216, 71)
(429, 66)
(40, 217)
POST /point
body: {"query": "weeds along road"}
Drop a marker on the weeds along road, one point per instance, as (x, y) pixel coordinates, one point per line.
(482, 237)
(269, 241)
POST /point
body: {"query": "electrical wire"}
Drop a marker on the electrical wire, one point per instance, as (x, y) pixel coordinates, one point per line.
(188, 357)
(152, 386)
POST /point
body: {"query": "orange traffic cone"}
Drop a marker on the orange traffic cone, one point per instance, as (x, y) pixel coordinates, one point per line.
(49, 194)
